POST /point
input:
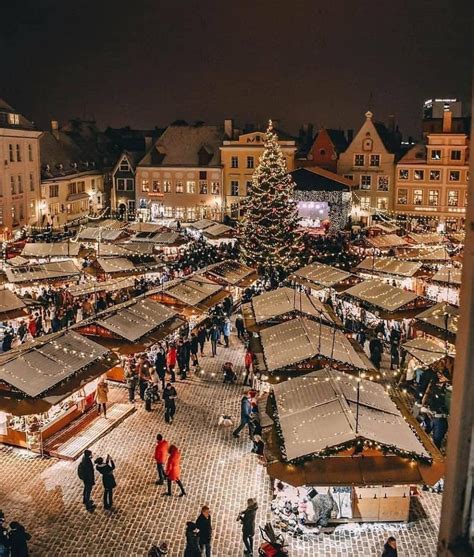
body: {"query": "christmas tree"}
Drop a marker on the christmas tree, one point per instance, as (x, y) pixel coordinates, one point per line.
(269, 240)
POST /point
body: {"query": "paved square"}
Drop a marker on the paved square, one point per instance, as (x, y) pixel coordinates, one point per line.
(45, 495)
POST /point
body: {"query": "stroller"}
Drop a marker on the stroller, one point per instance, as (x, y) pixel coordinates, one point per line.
(273, 545)
(152, 394)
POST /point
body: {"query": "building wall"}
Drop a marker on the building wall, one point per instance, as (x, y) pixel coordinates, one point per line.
(245, 152)
(375, 182)
(68, 198)
(183, 193)
(322, 154)
(435, 187)
(123, 187)
(19, 179)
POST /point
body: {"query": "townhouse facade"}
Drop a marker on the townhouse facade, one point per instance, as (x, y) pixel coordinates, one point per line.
(369, 161)
(19, 171)
(432, 178)
(324, 151)
(180, 177)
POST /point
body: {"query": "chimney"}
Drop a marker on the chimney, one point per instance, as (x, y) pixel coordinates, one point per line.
(229, 128)
(350, 136)
(148, 142)
(447, 121)
(391, 123)
(55, 128)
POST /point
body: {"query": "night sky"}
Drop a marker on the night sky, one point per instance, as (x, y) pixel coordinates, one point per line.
(147, 63)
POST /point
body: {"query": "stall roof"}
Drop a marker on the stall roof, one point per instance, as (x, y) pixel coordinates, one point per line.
(436, 317)
(95, 234)
(115, 264)
(381, 295)
(132, 321)
(427, 350)
(301, 339)
(110, 224)
(458, 237)
(10, 302)
(137, 248)
(37, 367)
(318, 411)
(449, 275)
(44, 271)
(384, 227)
(18, 261)
(428, 238)
(321, 275)
(202, 224)
(144, 227)
(389, 266)
(107, 286)
(218, 229)
(167, 238)
(56, 249)
(282, 301)
(423, 254)
(194, 290)
(386, 241)
(111, 250)
(232, 272)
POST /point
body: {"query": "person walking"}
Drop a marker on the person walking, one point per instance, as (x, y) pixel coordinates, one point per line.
(247, 518)
(204, 525)
(143, 375)
(245, 411)
(106, 469)
(18, 539)
(248, 362)
(173, 470)
(101, 396)
(131, 379)
(161, 454)
(376, 349)
(85, 471)
(192, 541)
(202, 337)
(160, 365)
(171, 358)
(214, 336)
(390, 548)
(194, 348)
(169, 397)
(226, 328)
(240, 326)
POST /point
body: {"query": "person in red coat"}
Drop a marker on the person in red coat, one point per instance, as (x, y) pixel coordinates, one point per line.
(173, 470)
(161, 454)
(171, 359)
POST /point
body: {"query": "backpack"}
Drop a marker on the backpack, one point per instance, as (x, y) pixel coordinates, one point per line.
(80, 470)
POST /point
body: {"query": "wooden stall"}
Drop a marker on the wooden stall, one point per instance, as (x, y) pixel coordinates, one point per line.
(53, 250)
(318, 276)
(51, 273)
(445, 284)
(233, 275)
(403, 274)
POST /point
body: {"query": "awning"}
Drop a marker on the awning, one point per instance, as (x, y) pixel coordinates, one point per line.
(386, 241)
(319, 274)
(95, 234)
(202, 224)
(448, 275)
(45, 271)
(429, 238)
(11, 306)
(217, 230)
(380, 295)
(427, 350)
(54, 249)
(230, 272)
(111, 265)
(111, 250)
(428, 254)
(441, 316)
(111, 285)
(193, 291)
(389, 266)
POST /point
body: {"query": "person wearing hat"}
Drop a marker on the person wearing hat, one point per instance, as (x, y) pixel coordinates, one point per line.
(247, 518)
(192, 543)
(85, 471)
(108, 479)
(18, 540)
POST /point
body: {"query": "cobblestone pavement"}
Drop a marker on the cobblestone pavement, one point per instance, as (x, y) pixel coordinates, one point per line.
(218, 470)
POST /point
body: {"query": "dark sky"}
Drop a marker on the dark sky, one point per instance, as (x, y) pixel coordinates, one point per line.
(146, 63)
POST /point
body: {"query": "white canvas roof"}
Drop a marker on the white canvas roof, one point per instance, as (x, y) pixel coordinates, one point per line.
(390, 266)
(17, 261)
(301, 339)
(217, 230)
(111, 250)
(145, 227)
(202, 224)
(230, 271)
(440, 315)
(321, 275)
(386, 241)
(44, 271)
(449, 275)
(107, 286)
(115, 264)
(426, 349)
(285, 300)
(381, 295)
(429, 238)
(40, 367)
(424, 254)
(95, 234)
(10, 301)
(56, 249)
(318, 411)
(194, 290)
(133, 321)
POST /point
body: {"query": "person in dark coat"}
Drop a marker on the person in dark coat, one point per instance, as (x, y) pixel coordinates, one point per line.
(247, 518)
(240, 327)
(390, 548)
(108, 480)
(85, 471)
(376, 349)
(204, 525)
(160, 365)
(194, 346)
(245, 411)
(192, 541)
(18, 540)
(169, 397)
(202, 337)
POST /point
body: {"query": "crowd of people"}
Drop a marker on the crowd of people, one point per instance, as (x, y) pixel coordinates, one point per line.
(13, 539)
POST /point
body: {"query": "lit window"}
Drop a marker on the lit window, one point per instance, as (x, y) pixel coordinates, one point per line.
(167, 186)
(215, 188)
(453, 198)
(191, 186)
(155, 186)
(374, 160)
(454, 175)
(418, 197)
(382, 203)
(14, 119)
(382, 183)
(402, 197)
(168, 212)
(179, 212)
(365, 203)
(433, 198)
(234, 187)
(435, 175)
(435, 154)
(203, 187)
(234, 163)
(179, 186)
(30, 152)
(191, 213)
(145, 184)
(365, 182)
(250, 162)
(359, 160)
(131, 205)
(403, 174)
(419, 174)
(456, 155)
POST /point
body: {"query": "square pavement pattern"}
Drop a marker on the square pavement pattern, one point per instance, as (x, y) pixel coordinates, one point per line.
(46, 495)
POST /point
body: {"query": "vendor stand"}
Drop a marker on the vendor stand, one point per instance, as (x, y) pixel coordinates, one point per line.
(318, 276)
(219, 233)
(54, 272)
(11, 306)
(403, 274)
(339, 450)
(433, 255)
(49, 251)
(47, 384)
(100, 234)
(439, 321)
(445, 285)
(233, 275)
(426, 239)
(385, 242)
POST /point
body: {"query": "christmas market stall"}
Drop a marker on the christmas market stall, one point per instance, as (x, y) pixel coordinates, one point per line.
(33, 274)
(318, 276)
(110, 250)
(196, 229)
(445, 285)
(42, 251)
(301, 345)
(439, 321)
(404, 274)
(11, 306)
(338, 449)
(219, 233)
(283, 304)
(381, 227)
(428, 255)
(169, 243)
(100, 234)
(46, 391)
(385, 242)
(94, 287)
(233, 275)
(425, 239)
(429, 351)
(121, 266)
(132, 327)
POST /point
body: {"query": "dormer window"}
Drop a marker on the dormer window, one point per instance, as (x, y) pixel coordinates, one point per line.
(124, 166)
(14, 119)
